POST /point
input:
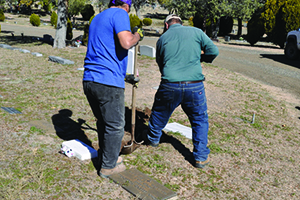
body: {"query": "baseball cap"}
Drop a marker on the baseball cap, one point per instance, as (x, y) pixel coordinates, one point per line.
(172, 16)
(125, 1)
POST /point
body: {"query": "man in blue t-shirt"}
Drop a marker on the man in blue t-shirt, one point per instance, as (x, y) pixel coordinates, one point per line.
(105, 66)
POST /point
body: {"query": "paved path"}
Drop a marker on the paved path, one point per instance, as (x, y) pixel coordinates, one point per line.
(268, 66)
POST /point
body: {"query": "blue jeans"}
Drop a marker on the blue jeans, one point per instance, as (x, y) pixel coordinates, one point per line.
(191, 97)
(108, 106)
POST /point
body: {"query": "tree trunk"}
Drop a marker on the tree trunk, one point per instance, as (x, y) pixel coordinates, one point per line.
(239, 33)
(204, 24)
(137, 10)
(215, 29)
(61, 29)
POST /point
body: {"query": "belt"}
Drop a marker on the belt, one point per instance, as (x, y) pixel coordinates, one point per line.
(187, 82)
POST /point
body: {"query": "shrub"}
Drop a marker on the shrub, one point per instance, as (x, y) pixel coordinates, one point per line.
(255, 27)
(2, 17)
(46, 5)
(191, 23)
(198, 22)
(85, 34)
(53, 19)
(35, 20)
(147, 21)
(87, 12)
(69, 35)
(280, 17)
(135, 21)
(91, 19)
(226, 24)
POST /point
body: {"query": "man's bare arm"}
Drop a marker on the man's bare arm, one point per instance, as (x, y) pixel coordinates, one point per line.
(127, 39)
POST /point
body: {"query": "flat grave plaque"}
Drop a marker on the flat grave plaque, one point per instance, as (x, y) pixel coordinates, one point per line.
(44, 125)
(11, 110)
(142, 186)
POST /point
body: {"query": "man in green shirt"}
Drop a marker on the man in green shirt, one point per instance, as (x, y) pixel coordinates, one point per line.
(179, 53)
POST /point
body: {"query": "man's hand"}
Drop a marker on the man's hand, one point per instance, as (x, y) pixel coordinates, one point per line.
(140, 31)
(129, 78)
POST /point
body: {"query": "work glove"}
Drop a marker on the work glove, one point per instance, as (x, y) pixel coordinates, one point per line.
(139, 31)
(129, 78)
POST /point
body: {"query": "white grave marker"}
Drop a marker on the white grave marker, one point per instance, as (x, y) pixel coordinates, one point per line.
(183, 130)
(147, 51)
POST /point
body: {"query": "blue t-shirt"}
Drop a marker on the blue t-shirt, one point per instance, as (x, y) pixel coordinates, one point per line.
(106, 59)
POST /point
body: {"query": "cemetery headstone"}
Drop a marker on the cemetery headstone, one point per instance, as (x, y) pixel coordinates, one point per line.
(37, 54)
(24, 50)
(147, 51)
(48, 38)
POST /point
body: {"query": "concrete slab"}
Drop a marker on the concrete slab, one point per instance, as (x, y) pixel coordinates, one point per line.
(37, 54)
(24, 50)
(142, 186)
(13, 48)
(61, 60)
(5, 46)
(183, 130)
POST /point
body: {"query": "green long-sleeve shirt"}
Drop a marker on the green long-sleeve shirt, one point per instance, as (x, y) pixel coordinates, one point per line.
(178, 53)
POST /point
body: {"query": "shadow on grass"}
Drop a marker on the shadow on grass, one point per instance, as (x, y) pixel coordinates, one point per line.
(68, 129)
(246, 44)
(282, 59)
(183, 150)
(18, 39)
(156, 15)
(298, 107)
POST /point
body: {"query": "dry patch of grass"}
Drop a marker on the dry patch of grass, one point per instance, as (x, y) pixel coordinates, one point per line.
(248, 161)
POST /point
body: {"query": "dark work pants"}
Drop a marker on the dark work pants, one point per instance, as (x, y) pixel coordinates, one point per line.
(107, 103)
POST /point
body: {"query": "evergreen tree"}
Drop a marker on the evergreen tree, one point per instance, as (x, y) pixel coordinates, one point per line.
(280, 17)
(74, 7)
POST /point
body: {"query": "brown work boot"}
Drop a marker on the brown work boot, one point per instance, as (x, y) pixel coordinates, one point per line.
(201, 164)
(105, 173)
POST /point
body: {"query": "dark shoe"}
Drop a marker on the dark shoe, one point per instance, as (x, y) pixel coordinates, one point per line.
(201, 164)
(146, 140)
(105, 173)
